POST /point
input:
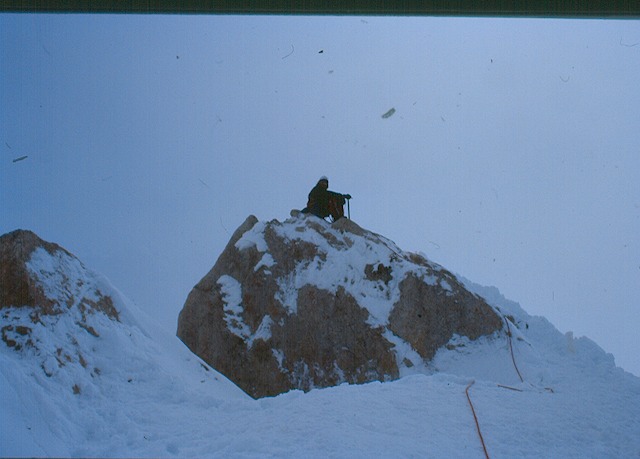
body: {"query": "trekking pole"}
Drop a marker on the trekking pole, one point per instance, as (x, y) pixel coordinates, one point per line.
(348, 209)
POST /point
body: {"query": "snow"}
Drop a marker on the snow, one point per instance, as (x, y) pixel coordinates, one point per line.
(263, 331)
(338, 264)
(232, 297)
(266, 261)
(61, 275)
(253, 238)
(135, 391)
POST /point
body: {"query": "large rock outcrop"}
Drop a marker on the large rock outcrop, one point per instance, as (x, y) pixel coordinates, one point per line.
(304, 304)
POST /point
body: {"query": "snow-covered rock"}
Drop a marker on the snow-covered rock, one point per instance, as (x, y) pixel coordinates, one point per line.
(79, 361)
(303, 304)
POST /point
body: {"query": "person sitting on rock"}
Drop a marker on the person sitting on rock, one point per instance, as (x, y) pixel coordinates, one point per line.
(324, 203)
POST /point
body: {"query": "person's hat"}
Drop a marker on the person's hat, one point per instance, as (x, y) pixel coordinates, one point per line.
(324, 178)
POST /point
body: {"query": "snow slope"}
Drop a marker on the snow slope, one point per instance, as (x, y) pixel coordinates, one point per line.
(135, 391)
(84, 384)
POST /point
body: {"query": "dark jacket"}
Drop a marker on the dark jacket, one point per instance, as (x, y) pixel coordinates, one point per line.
(318, 203)
(323, 202)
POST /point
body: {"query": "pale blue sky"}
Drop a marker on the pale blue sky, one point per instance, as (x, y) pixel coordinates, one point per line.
(513, 157)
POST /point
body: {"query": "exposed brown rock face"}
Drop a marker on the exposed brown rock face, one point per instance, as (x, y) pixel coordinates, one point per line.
(16, 286)
(428, 316)
(22, 286)
(305, 304)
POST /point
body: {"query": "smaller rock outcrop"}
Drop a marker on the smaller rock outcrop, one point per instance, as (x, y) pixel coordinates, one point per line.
(70, 339)
(304, 304)
(43, 285)
(42, 275)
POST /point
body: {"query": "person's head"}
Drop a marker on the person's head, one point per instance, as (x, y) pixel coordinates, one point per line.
(324, 182)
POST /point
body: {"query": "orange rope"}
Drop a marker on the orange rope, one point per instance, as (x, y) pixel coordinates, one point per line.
(476, 419)
(510, 388)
